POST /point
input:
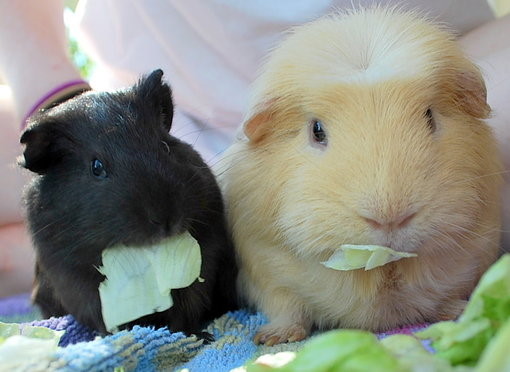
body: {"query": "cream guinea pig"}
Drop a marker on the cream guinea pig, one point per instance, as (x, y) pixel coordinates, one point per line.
(366, 127)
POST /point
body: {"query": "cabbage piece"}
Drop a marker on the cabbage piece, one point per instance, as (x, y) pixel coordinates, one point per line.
(8, 330)
(268, 362)
(339, 350)
(21, 344)
(413, 356)
(14, 329)
(139, 279)
(351, 257)
(463, 341)
(496, 357)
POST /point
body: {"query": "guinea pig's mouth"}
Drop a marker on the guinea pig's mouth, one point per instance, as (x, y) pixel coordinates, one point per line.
(155, 236)
(400, 243)
(405, 244)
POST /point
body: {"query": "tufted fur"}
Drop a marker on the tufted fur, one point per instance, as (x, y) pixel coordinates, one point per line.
(369, 76)
(155, 186)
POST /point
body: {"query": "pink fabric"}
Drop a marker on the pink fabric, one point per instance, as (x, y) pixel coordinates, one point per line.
(48, 95)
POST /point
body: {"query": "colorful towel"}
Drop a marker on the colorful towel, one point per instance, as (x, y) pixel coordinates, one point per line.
(148, 349)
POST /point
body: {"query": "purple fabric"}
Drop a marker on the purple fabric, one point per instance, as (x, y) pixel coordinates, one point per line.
(47, 96)
(16, 305)
(19, 305)
(409, 330)
(75, 332)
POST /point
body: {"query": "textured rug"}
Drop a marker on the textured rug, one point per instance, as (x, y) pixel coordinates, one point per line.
(148, 349)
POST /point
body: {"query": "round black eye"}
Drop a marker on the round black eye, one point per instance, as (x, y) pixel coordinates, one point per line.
(318, 133)
(430, 120)
(166, 147)
(98, 169)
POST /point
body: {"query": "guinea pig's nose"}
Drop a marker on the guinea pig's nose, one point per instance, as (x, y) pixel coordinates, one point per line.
(168, 226)
(387, 224)
(155, 221)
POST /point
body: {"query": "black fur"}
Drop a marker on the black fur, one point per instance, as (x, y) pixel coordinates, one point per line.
(155, 186)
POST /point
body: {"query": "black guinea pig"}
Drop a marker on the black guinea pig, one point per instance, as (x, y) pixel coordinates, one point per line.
(110, 173)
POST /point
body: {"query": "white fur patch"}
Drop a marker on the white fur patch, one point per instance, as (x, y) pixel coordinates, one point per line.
(371, 57)
(397, 63)
(367, 47)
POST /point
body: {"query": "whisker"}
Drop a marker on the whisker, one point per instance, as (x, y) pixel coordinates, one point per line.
(451, 240)
(483, 176)
(470, 231)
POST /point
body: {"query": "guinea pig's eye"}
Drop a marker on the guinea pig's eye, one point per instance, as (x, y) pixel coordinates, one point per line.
(98, 168)
(166, 147)
(318, 133)
(430, 120)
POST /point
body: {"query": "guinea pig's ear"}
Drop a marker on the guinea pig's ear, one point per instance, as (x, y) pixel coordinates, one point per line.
(43, 147)
(471, 94)
(258, 123)
(153, 90)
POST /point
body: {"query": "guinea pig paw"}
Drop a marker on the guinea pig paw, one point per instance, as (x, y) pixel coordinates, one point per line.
(270, 334)
(206, 337)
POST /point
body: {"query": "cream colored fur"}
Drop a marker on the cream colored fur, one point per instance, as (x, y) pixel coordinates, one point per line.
(369, 76)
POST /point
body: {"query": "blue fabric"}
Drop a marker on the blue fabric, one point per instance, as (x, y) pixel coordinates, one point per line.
(141, 349)
(149, 349)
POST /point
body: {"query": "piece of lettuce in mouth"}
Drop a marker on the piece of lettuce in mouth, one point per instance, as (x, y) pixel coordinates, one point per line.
(139, 279)
(352, 257)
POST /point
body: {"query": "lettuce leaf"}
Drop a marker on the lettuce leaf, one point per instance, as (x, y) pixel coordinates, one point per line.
(413, 356)
(351, 257)
(139, 279)
(463, 341)
(496, 357)
(14, 329)
(339, 350)
(21, 344)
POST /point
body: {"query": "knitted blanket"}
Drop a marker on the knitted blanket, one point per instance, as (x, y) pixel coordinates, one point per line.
(148, 349)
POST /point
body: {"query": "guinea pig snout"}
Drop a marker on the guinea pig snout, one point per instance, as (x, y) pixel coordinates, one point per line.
(168, 226)
(393, 223)
(388, 222)
(166, 218)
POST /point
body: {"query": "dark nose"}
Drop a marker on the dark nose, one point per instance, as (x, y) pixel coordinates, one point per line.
(156, 222)
(389, 223)
(169, 226)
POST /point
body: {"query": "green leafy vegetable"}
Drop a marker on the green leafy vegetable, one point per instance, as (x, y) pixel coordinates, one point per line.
(14, 329)
(496, 356)
(351, 257)
(463, 341)
(9, 329)
(414, 357)
(20, 344)
(139, 279)
(340, 350)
